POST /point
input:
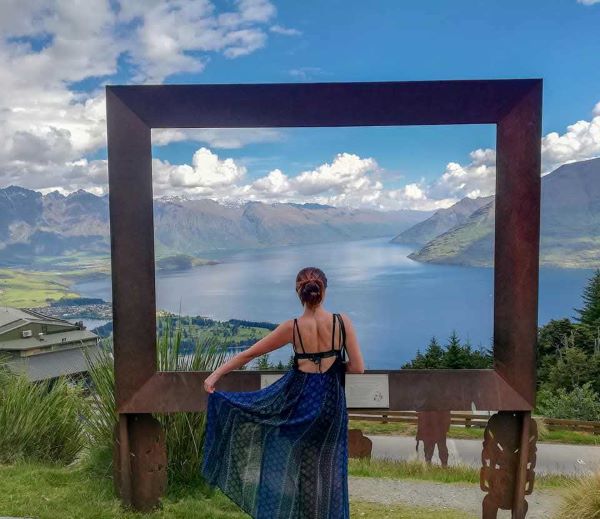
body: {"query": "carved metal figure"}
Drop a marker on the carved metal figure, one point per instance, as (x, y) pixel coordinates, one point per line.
(514, 106)
(501, 457)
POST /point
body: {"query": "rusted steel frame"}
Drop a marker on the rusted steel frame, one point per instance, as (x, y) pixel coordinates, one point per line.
(122, 472)
(514, 105)
(517, 237)
(174, 391)
(132, 248)
(394, 103)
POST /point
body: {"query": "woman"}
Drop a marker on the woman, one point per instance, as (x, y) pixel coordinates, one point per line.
(282, 451)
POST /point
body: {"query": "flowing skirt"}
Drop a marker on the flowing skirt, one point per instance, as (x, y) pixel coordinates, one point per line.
(282, 451)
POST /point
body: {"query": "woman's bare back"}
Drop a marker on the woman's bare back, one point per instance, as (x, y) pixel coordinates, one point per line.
(315, 333)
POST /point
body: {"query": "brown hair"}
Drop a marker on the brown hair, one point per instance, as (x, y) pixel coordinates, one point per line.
(311, 282)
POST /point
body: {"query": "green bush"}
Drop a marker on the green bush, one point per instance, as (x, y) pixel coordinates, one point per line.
(579, 403)
(39, 421)
(184, 432)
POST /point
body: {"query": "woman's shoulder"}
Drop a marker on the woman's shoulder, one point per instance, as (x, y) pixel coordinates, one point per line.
(345, 317)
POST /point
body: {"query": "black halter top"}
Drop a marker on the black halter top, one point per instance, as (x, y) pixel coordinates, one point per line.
(317, 356)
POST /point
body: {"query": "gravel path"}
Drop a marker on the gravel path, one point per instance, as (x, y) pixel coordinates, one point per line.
(543, 504)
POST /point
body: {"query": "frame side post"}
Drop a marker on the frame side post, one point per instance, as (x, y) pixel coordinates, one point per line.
(517, 235)
(132, 248)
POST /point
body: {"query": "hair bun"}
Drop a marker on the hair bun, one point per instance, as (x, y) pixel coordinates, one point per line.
(310, 285)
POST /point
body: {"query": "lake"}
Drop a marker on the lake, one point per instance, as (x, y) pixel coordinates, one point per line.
(396, 304)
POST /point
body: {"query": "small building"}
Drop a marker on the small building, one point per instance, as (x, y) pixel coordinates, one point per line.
(44, 347)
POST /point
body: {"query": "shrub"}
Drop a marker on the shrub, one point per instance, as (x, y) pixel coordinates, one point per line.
(580, 403)
(582, 499)
(39, 421)
(184, 432)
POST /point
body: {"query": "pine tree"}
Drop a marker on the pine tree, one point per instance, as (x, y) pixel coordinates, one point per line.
(455, 354)
(434, 355)
(590, 313)
(290, 363)
(263, 362)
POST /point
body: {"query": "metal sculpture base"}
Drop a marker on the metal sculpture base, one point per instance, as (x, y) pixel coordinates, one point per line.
(139, 461)
(508, 459)
(359, 446)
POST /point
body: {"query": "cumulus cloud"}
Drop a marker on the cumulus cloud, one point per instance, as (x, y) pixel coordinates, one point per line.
(588, 2)
(348, 180)
(55, 56)
(580, 141)
(50, 120)
(474, 179)
(207, 175)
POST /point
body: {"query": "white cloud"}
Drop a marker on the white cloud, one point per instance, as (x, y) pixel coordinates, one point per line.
(305, 73)
(580, 141)
(48, 123)
(476, 178)
(206, 176)
(588, 2)
(221, 138)
(285, 31)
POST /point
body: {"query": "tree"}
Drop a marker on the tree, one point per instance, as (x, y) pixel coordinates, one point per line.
(290, 363)
(579, 403)
(263, 362)
(432, 359)
(590, 313)
(455, 357)
(574, 368)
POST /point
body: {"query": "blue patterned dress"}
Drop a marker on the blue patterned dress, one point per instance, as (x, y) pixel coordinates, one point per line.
(282, 451)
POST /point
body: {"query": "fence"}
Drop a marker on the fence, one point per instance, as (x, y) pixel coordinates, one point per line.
(477, 420)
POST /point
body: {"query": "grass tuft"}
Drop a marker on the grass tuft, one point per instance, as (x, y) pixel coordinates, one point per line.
(39, 420)
(582, 499)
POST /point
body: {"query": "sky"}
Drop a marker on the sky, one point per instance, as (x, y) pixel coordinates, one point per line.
(56, 56)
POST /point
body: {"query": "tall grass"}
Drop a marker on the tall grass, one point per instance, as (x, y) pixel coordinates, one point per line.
(39, 421)
(184, 432)
(582, 499)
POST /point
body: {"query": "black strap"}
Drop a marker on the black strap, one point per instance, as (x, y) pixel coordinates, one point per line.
(296, 327)
(342, 336)
(333, 333)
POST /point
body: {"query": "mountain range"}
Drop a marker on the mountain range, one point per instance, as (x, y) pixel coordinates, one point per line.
(570, 224)
(36, 228)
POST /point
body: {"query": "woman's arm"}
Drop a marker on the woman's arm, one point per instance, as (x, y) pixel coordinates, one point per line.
(355, 363)
(279, 337)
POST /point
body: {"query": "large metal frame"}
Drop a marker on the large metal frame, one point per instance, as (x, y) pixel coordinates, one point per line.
(514, 106)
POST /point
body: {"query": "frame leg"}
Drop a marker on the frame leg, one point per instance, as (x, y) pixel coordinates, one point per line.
(140, 461)
(508, 461)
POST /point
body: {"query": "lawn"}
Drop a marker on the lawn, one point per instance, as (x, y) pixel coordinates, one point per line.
(472, 433)
(79, 492)
(381, 468)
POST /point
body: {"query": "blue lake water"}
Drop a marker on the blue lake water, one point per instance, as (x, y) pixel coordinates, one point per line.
(396, 304)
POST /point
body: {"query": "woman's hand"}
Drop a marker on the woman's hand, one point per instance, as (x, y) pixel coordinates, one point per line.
(209, 383)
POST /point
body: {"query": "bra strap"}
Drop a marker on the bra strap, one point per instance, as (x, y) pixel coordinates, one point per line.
(296, 327)
(333, 334)
(342, 336)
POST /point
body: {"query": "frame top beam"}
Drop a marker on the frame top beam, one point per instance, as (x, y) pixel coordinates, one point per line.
(394, 103)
